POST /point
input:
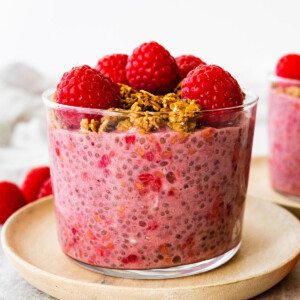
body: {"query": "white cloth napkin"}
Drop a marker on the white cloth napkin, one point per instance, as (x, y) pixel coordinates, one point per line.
(23, 142)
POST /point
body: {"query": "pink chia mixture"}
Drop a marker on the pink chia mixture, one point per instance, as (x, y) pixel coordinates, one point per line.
(284, 140)
(162, 199)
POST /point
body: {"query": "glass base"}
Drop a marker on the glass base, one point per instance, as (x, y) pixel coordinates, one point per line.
(173, 272)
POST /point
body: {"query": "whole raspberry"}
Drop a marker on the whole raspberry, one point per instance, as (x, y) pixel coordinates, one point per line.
(187, 63)
(11, 199)
(46, 189)
(34, 181)
(212, 87)
(289, 66)
(152, 68)
(113, 66)
(87, 87)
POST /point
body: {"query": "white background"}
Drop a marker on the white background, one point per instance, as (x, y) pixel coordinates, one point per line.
(244, 37)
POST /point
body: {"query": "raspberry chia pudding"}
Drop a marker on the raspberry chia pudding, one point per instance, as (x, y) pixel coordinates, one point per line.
(158, 180)
(284, 126)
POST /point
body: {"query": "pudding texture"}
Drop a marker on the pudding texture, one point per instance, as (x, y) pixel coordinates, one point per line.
(129, 200)
(284, 142)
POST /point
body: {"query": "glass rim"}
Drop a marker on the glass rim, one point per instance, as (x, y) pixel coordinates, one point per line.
(250, 100)
(275, 78)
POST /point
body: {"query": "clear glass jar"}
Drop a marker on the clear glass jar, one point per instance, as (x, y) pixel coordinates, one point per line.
(284, 134)
(157, 204)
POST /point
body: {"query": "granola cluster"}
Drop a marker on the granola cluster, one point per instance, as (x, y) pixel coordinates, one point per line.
(148, 112)
(293, 91)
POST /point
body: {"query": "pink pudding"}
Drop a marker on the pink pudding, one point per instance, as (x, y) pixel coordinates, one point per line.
(284, 138)
(149, 171)
(128, 200)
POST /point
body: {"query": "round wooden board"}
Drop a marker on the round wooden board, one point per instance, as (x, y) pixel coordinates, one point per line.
(270, 249)
(260, 186)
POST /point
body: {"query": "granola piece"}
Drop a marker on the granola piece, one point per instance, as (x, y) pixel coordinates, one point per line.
(183, 126)
(169, 99)
(293, 91)
(94, 125)
(104, 125)
(57, 123)
(127, 103)
(184, 115)
(124, 125)
(126, 91)
(277, 88)
(177, 90)
(86, 126)
(185, 106)
(145, 101)
(52, 115)
(109, 123)
(136, 107)
(146, 122)
(131, 99)
(243, 95)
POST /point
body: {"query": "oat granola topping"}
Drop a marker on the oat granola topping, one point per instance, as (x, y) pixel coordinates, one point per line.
(142, 110)
(293, 91)
(177, 90)
(124, 125)
(86, 126)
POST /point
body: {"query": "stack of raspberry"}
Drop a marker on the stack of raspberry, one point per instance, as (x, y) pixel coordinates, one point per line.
(152, 68)
(36, 185)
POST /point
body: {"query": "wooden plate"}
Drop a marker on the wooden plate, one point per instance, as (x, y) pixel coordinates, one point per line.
(270, 249)
(260, 186)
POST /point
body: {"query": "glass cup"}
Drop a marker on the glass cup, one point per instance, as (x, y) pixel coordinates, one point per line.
(284, 135)
(158, 204)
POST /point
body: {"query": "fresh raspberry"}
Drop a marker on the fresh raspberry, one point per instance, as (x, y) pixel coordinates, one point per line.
(152, 68)
(11, 199)
(46, 189)
(212, 87)
(149, 180)
(130, 259)
(113, 66)
(34, 181)
(85, 87)
(289, 66)
(187, 63)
